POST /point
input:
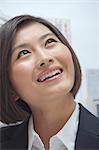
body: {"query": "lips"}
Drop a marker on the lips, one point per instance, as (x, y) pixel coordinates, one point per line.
(50, 73)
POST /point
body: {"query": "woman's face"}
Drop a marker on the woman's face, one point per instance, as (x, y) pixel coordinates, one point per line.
(41, 66)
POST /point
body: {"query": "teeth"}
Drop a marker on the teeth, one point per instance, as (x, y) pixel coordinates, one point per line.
(49, 74)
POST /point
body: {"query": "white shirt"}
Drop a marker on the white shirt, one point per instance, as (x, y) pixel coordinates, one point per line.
(63, 140)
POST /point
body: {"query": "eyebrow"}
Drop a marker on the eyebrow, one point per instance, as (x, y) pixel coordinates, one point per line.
(46, 35)
(27, 45)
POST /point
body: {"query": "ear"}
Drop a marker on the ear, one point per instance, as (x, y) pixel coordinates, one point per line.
(14, 95)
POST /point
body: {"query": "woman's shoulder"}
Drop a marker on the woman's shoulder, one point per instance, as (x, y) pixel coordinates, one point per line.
(14, 136)
(8, 131)
(5, 127)
(2, 125)
(19, 124)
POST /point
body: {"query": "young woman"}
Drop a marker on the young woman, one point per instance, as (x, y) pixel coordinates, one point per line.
(39, 78)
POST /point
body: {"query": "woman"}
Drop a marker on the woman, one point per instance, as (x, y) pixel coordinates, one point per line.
(40, 71)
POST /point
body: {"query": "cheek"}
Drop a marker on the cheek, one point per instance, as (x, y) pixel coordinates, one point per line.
(61, 52)
(64, 55)
(22, 81)
(65, 58)
(21, 75)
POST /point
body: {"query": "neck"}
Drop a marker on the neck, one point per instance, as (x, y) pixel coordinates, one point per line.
(52, 117)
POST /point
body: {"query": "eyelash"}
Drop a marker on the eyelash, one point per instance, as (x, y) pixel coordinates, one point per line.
(26, 51)
(51, 40)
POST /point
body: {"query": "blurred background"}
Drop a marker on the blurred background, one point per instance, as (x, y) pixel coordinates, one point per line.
(79, 22)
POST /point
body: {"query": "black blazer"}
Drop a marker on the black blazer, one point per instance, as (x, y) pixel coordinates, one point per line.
(16, 137)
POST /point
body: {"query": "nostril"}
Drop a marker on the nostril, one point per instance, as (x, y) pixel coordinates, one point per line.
(42, 64)
(45, 62)
(50, 60)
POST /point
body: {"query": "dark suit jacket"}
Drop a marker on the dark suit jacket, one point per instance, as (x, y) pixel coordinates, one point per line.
(16, 137)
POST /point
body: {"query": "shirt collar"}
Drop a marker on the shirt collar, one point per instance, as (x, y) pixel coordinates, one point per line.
(33, 137)
(66, 135)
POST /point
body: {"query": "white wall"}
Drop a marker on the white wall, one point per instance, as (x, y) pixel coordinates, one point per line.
(98, 29)
(84, 16)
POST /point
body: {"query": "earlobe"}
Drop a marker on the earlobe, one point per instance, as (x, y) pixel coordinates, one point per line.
(13, 93)
(14, 96)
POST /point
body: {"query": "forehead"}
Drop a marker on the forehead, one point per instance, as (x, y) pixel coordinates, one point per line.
(32, 31)
(35, 29)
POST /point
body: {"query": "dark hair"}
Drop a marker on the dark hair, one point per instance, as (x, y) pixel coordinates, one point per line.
(9, 112)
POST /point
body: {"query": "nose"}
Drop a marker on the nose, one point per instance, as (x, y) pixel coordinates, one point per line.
(46, 62)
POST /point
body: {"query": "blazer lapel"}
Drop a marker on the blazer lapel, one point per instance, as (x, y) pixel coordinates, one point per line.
(88, 131)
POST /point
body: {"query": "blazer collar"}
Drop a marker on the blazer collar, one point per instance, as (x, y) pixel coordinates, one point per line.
(88, 130)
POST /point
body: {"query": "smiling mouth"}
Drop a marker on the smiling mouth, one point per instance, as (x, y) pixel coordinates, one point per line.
(50, 75)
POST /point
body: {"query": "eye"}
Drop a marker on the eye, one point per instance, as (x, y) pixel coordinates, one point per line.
(50, 40)
(22, 53)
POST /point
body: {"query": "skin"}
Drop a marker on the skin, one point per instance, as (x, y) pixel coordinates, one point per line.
(51, 102)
